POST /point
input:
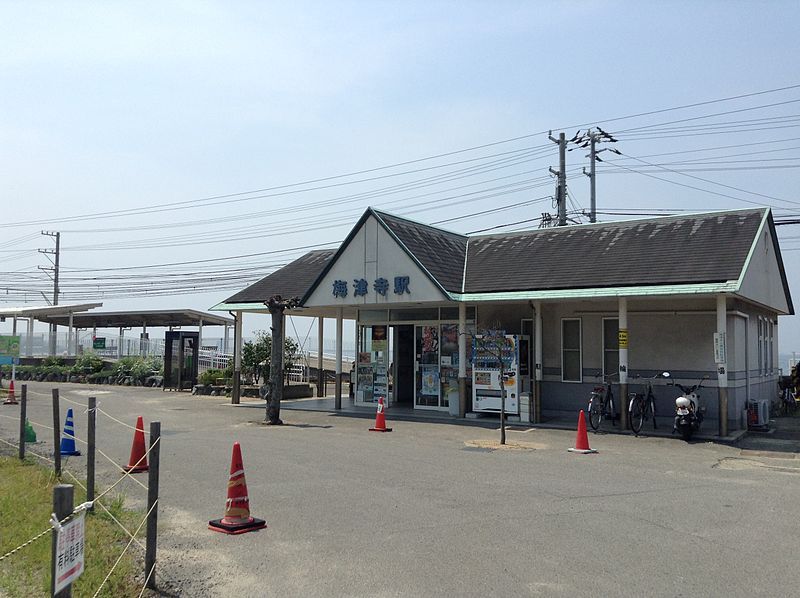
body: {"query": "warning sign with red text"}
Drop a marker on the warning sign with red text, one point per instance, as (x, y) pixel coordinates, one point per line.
(69, 552)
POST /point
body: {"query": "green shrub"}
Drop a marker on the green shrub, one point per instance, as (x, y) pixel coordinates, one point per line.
(88, 363)
(210, 376)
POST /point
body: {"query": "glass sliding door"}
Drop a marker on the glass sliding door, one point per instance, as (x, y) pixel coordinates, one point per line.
(428, 387)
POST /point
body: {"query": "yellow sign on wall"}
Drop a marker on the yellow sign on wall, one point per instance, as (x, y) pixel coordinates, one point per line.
(623, 338)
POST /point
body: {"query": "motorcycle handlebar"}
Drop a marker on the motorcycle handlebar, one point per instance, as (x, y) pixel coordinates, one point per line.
(691, 389)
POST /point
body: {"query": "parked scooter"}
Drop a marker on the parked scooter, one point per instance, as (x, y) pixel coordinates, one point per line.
(688, 412)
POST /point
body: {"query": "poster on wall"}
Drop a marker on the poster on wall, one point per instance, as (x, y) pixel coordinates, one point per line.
(364, 358)
(380, 386)
(430, 381)
(365, 377)
(380, 339)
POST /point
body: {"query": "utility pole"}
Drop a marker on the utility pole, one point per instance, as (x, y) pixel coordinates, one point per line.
(590, 138)
(561, 188)
(55, 261)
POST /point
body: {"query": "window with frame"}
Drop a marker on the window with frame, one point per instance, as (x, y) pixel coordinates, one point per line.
(571, 360)
(760, 346)
(610, 346)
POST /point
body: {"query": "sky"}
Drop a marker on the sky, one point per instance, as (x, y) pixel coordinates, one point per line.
(147, 133)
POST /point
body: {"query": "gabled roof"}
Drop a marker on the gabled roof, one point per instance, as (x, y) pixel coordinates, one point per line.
(657, 251)
(686, 254)
(439, 251)
(293, 280)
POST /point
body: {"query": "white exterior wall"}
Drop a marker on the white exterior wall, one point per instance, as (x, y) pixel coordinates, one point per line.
(762, 280)
(373, 253)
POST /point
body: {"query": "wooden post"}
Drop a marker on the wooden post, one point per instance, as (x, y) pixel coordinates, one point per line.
(152, 497)
(23, 414)
(56, 434)
(62, 506)
(91, 450)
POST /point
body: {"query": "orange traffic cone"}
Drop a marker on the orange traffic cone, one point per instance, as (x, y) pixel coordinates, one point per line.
(11, 400)
(138, 460)
(380, 419)
(237, 518)
(582, 438)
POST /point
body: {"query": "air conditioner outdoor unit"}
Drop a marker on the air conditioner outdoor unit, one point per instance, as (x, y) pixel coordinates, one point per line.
(758, 414)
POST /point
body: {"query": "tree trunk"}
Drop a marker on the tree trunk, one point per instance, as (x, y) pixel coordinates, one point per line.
(276, 366)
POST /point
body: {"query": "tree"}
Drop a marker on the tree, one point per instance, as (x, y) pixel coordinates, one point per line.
(493, 342)
(277, 306)
(257, 355)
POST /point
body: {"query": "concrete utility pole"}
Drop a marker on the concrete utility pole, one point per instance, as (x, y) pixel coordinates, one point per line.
(590, 138)
(561, 189)
(55, 261)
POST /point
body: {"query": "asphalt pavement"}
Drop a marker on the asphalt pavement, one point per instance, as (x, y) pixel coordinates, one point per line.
(435, 509)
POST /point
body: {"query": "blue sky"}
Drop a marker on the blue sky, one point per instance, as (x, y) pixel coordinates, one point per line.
(113, 106)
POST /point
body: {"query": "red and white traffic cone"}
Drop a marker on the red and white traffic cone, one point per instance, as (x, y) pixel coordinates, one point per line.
(380, 419)
(582, 438)
(237, 518)
(11, 400)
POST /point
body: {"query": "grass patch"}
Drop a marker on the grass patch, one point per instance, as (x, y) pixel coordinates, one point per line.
(26, 498)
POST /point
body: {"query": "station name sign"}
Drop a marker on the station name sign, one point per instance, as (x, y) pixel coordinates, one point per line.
(380, 286)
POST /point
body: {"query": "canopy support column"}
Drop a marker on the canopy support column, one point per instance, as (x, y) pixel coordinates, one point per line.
(337, 402)
(237, 357)
(462, 359)
(623, 363)
(722, 364)
(320, 362)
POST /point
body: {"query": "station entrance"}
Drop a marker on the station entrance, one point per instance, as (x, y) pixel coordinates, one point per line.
(412, 363)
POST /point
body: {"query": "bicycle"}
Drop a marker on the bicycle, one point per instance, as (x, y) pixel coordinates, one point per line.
(789, 402)
(639, 405)
(601, 403)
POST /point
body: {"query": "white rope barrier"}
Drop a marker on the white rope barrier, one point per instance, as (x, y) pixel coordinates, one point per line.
(124, 550)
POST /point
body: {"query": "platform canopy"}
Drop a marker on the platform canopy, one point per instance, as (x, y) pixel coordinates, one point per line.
(43, 312)
(127, 319)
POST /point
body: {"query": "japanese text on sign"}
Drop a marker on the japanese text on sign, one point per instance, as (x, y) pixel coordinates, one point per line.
(380, 286)
(623, 338)
(69, 552)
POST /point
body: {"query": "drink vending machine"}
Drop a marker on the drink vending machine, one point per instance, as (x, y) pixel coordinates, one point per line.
(487, 352)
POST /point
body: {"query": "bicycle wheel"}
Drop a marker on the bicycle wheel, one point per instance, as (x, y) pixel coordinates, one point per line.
(637, 413)
(595, 411)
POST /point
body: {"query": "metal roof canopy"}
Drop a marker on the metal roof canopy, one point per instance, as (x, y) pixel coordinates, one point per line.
(40, 311)
(127, 319)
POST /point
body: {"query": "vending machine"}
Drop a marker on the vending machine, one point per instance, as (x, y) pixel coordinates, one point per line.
(487, 353)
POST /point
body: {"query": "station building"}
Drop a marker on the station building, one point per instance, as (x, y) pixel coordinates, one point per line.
(696, 295)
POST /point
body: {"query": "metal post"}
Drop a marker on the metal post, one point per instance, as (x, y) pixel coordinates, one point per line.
(29, 339)
(337, 403)
(623, 363)
(121, 338)
(722, 365)
(320, 361)
(23, 414)
(69, 334)
(56, 434)
(537, 368)
(592, 188)
(152, 497)
(63, 497)
(92, 412)
(562, 179)
(237, 358)
(462, 359)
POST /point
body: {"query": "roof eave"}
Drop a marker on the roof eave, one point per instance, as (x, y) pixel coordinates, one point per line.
(599, 292)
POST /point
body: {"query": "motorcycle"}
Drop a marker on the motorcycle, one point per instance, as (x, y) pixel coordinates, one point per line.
(688, 413)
